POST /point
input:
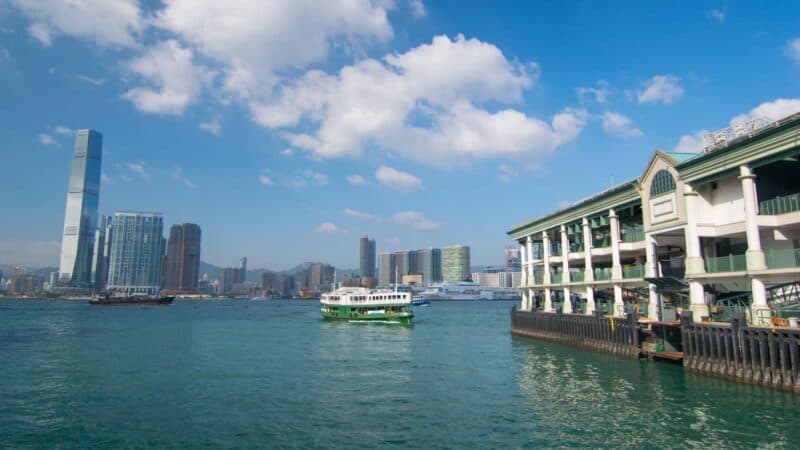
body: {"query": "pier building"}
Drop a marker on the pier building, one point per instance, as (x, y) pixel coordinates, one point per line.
(714, 233)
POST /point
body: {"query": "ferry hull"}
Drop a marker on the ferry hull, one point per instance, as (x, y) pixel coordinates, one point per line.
(343, 313)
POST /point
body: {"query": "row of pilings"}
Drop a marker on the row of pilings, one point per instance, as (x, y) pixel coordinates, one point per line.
(758, 355)
(619, 336)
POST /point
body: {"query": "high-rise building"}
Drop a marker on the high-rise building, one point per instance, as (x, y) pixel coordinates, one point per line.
(320, 277)
(455, 263)
(276, 283)
(430, 265)
(367, 257)
(182, 261)
(386, 269)
(137, 253)
(80, 217)
(512, 259)
(102, 252)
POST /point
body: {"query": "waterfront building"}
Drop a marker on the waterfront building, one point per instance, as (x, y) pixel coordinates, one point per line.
(320, 277)
(455, 263)
(102, 252)
(512, 261)
(26, 284)
(182, 261)
(712, 232)
(276, 283)
(137, 252)
(80, 216)
(367, 257)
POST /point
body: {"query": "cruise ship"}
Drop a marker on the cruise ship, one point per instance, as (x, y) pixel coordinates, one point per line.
(467, 291)
(357, 304)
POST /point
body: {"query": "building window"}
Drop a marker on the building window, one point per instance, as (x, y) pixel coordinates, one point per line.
(663, 183)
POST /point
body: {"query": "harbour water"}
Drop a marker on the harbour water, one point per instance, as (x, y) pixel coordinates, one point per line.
(272, 373)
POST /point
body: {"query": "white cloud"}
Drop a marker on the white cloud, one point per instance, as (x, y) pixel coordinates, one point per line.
(773, 110)
(506, 173)
(138, 169)
(105, 179)
(397, 179)
(329, 228)
(287, 152)
(212, 126)
(174, 81)
(661, 88)
(177, 174)
(46, 139)
(356, 180)
(107, 23)
(619, 125)
(600, 93)
(60, 129)
(320, 178)
(414, 219)
(34, 253)
(91, 80)
(690, 143)
(717, 14)
(417, 8)
(440, 83)
(265, 180)
(361, 215)
(792, 50)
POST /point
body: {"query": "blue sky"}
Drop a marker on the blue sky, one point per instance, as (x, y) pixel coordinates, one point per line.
(289, 129)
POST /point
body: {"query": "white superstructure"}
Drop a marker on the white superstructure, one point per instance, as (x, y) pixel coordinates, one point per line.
(364, 296)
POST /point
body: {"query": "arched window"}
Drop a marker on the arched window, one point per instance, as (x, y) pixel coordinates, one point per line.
(663, 182)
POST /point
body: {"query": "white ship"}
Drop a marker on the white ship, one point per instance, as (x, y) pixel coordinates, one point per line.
(467, 291)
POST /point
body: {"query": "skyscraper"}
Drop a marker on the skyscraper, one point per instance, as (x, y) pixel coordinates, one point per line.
(387, 268)
(80, 217)
(102, 251)
(137, 253)
(367, 257)
(182, 261)
(455, 263)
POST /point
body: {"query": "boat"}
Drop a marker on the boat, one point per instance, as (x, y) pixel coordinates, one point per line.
(415, 301)
(358, 304)
(466, 291)
(119, 299)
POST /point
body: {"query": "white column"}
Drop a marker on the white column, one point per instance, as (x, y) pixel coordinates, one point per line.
(567, 306)
(529, 244)
(694, 258)
(548, 300)
(759, 310)
(651, 271)
(588, 275)
(616, 266)
(523, 260)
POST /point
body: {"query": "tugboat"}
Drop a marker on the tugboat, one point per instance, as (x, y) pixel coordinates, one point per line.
(118, 299)
(366, 305)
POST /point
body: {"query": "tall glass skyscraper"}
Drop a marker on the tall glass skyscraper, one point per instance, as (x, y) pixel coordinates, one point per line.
(80, 218)
(137, 253)
(367, 257)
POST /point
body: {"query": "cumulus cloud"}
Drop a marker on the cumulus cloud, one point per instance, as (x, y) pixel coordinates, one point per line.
(212, 126)
(177, 174)
(329, 228)
(599, 93)
(619, 125)
(506, 173)
(397, 179)
(417, 8)
(46, 139)
(320, 178)
(361, 215)
(265, 180)
(105, 179)
(792, 50)
(661, 89)
(106, 23)
(773, 110)
(414, 219)
(173, 80)
(690, 143)
(356, 180)
(442, 82)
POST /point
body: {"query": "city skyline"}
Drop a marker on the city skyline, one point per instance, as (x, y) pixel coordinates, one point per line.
(204, 130)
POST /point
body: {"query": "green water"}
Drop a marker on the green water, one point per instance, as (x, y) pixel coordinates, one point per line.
(273, 374)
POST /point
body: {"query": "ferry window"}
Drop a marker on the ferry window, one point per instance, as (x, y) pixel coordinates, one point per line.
(663, 183)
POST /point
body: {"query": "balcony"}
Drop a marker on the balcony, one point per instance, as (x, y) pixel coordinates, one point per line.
(780, 205)
(575, 247)
(538, 278)
(555, 249)
(730, 263)
(576, 277)
(555, 278)
(783, 259)
(602, 242)
(602, 274)
(633, 234)
(635, 271)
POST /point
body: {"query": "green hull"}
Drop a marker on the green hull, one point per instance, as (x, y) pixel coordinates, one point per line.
(358, 314)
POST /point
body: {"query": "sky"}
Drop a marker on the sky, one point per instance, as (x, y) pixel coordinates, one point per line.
(287, 130)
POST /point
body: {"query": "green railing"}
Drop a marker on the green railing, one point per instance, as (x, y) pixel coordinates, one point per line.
(576, 277)
(602, 242)
(780, 205)
(730, 263)
(781, 259)
(602, 274)
(636, 271)
(633, 234)
(555, 278)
